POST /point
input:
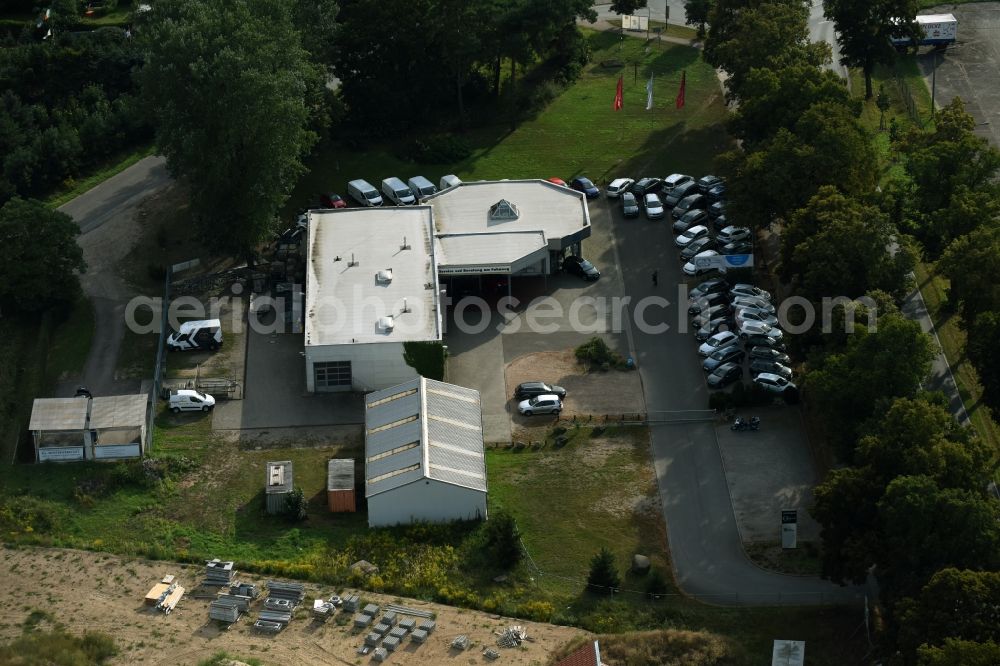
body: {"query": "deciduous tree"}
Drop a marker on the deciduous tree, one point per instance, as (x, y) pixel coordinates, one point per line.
(40, 256)
(983, 348)
(696, 13)
(972, 264)
(626, 6)
(603, 575)
(966, 653)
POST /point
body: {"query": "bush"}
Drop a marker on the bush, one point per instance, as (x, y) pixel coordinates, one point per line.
(437, 149)
(502, 540)
(656, 583)
(427, 358)
(596, 352)
(295, 505)
(604, 576)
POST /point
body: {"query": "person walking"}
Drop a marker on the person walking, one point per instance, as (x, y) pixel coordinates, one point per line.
(656, 278)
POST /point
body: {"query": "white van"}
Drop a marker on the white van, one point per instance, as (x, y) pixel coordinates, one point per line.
(189, 400)
(451, 180)
(397, 192)
(364, 193)
(202, 334)
(421, 187)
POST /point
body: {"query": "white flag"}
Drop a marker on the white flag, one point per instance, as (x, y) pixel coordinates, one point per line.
(649, 93)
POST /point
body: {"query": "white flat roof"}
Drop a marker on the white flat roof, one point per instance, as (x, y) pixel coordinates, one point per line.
(119, 411)
(345, 302)
(470, 250)
(558, 212)
(55, 414)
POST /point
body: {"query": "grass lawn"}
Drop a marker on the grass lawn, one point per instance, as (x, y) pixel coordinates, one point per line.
(71, 340)
(577, 133)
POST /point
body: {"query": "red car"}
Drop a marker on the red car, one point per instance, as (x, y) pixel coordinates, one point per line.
(331, 200)
(558, 181)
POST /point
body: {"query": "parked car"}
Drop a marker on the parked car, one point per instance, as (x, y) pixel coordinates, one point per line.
(716, 209)
(697, 246)
(692, 234)
(714, 326)
(689, 202)
(731, 354)
(332, 200)
(724, 375)
(580, 266)
(690, 219)
(737, 247)
(557, 181)
(773, 383)
(720, 340)
(743, 289)
(654, 207)
(732, 234)
(709, 287)
(531, 389)
(364, 193)
(705, 183)
(769, 354)
(756, 340)
(710, 313)
(720, 223)
(619, 186)
(196, 335)
(692, 267)
(748, 328)
(718, 192)
(679, 192)
(540, 404)
(696, 305)
(673, 180)
(421, 187)
(751, 302)
(396, 191)
(744, 314)
(449, 180)
(189, 400)
(758, 366)
(630, 207)
(644, 186)
(585, 185)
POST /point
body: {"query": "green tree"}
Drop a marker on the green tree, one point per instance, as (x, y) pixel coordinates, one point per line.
(954, 604)
(838, 246)
(296, 505)
(982, 349)
(864, 28)
(502, 540)
(40, 256)
(972, 264)
(603, 575)
(746, 34)
(626, 6)
(226, 83)
(966, 653)
(696, 13)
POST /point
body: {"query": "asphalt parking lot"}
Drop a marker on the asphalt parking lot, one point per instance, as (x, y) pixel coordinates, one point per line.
(970, 69)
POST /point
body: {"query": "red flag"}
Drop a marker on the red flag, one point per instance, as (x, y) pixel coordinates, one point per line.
(617, 106)
(680, 93)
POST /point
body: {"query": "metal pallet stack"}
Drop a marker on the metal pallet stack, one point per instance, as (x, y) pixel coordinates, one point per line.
(512, 637)
(224, 610)
(219, 573)
(293, 592)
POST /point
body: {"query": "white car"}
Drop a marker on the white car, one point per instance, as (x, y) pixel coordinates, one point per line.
(189, 400)
(720, 340)
(773, 383)
(743, 289)
(691, 235)
(692, 267)
(675, 179)
(540, 404)
(753, 314)
(618, 186)
(748, 328)
(732, 233)
(653, 206)
(755, 303)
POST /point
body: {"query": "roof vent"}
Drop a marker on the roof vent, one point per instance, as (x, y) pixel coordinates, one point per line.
(384, 276)
(386, 324)
(504, 210)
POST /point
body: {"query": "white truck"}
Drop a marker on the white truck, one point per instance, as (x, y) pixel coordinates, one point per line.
(939, 30)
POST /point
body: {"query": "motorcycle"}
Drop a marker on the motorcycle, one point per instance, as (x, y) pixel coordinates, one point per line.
(740, 424)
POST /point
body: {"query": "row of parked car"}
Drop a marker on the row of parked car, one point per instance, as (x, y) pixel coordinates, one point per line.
(736, 326)
(393, 190)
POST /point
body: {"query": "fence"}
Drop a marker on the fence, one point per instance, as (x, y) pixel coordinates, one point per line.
(907, 97)
(639, 418)
(161, 346)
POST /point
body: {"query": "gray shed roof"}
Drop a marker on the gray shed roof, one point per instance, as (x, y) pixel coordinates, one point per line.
(118, 411)
(278, 477)
(340, 474)
(54, 414)
(423, 429)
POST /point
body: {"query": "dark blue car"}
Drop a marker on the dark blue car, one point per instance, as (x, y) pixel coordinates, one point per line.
(585, 185)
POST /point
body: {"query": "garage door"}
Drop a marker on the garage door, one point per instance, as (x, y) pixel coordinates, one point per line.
(332, 376)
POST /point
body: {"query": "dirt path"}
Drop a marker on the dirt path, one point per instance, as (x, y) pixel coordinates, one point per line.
(95, 591)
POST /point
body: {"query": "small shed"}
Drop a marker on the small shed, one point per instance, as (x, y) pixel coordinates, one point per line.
(340, 485)
(119, 426)
(59, 428)
(278, 485)
(81, 428)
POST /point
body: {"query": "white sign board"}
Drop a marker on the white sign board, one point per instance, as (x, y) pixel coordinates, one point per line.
(633, 22)
(724, 262)
(789, 528)
(106, 452)
(788, 653)
(60, 453)
(473, 270)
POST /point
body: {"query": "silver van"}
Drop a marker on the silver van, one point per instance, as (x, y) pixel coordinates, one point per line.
(421, 187)
(451, 180)
(397, 192)
(364, 193)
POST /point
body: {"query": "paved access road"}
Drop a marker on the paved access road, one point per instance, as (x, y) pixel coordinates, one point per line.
(705, 546)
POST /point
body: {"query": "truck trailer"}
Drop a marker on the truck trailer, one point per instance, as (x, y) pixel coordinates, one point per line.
(938, 30)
